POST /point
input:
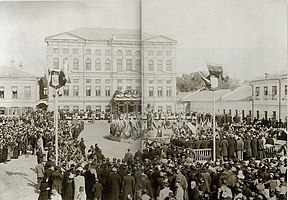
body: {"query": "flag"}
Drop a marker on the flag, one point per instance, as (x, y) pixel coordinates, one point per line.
(65, 70)
(57, 78)
(216, 71)
(206, 81)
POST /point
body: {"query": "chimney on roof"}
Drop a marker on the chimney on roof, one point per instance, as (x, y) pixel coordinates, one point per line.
(266, 75)
(21, 66)
(12, 63)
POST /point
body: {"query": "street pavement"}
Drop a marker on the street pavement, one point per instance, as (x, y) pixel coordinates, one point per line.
(17, 177)
(94, 133)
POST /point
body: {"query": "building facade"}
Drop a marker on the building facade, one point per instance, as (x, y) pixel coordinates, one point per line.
(263, 98)
(270, 97)
(19, 91)
(103, 61)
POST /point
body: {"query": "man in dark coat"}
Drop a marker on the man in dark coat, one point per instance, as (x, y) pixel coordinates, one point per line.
(224, 146)
(128, 155)
(254, 145)
(248, 149)
(128, 185)
(231, 150)
(89, 182)
(198, 143)
(261, 152)
(239, 148)
(114, 181)
(194, 194)
(82, 146)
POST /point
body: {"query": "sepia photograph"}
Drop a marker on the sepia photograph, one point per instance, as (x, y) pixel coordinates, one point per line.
(143, 100)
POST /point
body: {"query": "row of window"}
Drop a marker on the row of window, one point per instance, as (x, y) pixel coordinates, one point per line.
(75, 51)
(161, 108)
(122, 81)
(15, 93)
(266, 115)
(88, 107)
(107, 91)
(160, 91)
(75, 91)
(266, 92)
(107, 52)
(160, 81)
(158, 53)
(107, 64)
(107, 81)
(159, 65)
(236, 112)
(273, 114)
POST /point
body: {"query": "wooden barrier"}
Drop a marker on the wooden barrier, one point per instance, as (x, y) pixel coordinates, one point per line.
(270, 152)
(202, 154)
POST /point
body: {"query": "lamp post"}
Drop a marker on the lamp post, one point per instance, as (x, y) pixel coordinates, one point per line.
(214, 85)
(56, 125)
(212, 82)
(57, 80)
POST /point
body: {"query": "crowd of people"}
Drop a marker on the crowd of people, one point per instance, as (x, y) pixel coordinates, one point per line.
(159, 171)
(25, 133)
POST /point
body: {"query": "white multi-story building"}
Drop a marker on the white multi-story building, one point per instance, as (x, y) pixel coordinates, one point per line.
(270, 97)
(19, 91)
(102, 61)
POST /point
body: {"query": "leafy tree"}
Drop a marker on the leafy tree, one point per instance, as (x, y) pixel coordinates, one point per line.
(189, 82)
(193, 81)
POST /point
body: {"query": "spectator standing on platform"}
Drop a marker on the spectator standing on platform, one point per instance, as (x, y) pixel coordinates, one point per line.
(239, 148)
(224, 146)
(128, 156)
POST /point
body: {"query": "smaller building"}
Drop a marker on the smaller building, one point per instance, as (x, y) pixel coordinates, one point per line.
(19, 91)
(201, 101)
(236, 102)
(270, 97)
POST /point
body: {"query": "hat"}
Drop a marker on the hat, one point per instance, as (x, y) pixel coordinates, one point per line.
(71, 175)
(79, 169)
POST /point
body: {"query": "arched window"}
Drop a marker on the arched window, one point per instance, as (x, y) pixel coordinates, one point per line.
(159, 65)
(55, 63)
(137, 53)
(151, 65)
(119, 53)
(98, 64)
(75, 64)
(168, 65)
(107, 64)
(66, 63)
(88, 64)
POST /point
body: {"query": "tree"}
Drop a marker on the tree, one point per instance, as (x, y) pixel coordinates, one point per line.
(193, 81)
(189, 82)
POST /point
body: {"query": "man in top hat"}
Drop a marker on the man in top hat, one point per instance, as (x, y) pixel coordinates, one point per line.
(114, 181)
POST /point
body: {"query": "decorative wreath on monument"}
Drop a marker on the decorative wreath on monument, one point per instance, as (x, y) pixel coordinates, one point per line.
(127, 94)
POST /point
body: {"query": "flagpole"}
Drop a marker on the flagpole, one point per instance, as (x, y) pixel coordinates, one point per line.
(56, 125)
(214, 132)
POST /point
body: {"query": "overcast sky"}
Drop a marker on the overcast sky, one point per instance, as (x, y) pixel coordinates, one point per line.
(247, 37)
